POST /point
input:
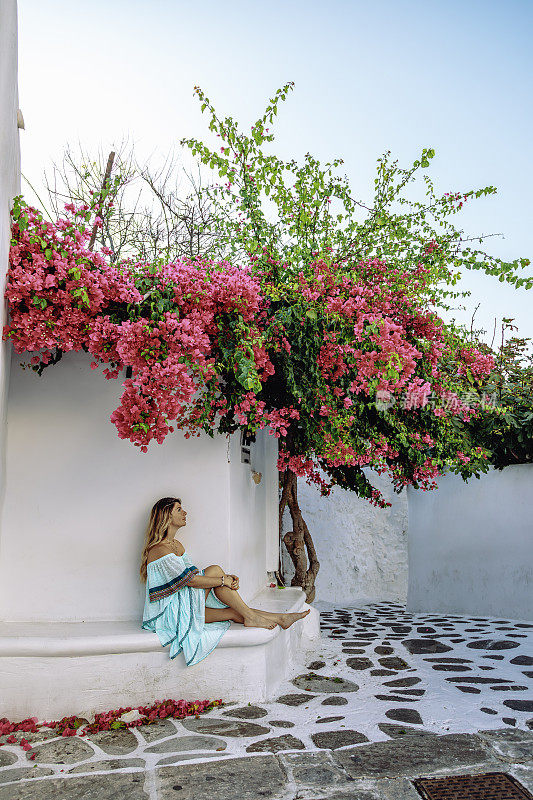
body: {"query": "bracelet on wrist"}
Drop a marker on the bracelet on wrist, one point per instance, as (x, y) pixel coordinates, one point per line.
(222, 584)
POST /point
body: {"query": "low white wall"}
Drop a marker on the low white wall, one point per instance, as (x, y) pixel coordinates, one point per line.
(471, 545)
(105, 665)
(78, 497)
(362, 549)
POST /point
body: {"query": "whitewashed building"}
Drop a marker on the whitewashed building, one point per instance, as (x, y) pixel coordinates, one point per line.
(75, 501)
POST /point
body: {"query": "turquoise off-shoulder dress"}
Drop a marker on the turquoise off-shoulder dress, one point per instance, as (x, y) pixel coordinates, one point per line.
(176, 611)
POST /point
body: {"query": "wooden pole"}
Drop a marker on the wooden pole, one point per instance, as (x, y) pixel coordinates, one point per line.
(107, 175)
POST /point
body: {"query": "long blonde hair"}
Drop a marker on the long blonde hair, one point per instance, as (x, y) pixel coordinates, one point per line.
(157, 528)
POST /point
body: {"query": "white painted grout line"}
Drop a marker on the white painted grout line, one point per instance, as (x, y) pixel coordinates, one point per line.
(150, 784)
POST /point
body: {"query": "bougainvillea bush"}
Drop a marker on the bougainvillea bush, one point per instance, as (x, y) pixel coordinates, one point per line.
(171, 325)
(348, 368)
(409, 254)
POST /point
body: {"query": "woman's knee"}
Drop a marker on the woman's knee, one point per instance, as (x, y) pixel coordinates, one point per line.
(214, 569)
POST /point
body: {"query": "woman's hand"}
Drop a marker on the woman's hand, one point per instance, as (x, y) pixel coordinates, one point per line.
(233, 581)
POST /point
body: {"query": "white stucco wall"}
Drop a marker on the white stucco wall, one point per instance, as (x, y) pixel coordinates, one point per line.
(254, 507)
(78, 497)
(471, 545)
(9, 183)
(362, 549)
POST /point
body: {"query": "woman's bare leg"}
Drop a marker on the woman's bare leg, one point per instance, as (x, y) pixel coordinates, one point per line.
(222, 614)
(283, 620)
(251, 618)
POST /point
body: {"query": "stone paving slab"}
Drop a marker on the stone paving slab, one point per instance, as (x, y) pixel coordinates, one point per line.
(66, 750)
(233, 779)
(522, 774)
(315, 771)
(157, 730)
(506, 735)
(246, 712)
(363, 789)
(276, 744)
(18, 773)
(118, 786)
(521, 752)
(295, 699)
(398, 731)
(41, 735)
(332, 740)
(178, 758)
(114, 743)
(111, 765)
(418, 755)
(7, 758)
(324, 683)
(224, 727)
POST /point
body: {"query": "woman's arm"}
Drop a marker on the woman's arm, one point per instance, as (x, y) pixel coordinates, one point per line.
(195, 581)
(209, 582)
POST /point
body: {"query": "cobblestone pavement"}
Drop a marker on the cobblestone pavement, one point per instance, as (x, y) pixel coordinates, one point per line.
(386, 696)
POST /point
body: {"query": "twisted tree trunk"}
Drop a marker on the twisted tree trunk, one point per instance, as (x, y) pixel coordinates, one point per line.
(298, 542)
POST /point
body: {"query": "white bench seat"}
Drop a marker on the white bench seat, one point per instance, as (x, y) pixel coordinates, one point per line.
(62, 668)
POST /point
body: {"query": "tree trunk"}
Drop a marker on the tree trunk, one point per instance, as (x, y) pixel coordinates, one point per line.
(298, 541)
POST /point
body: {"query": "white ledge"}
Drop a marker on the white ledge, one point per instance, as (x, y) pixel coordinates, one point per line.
(49, 639)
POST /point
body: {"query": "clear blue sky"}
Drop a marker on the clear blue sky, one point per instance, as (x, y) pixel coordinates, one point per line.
(455, 75)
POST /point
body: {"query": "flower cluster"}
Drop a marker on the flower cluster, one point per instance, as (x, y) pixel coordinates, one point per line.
(474, 364)
(105, 721)
(376, 346)
(56, 286)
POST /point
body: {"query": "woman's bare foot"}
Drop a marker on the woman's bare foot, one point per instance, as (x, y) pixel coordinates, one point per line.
(286, 620)
(258, 621)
